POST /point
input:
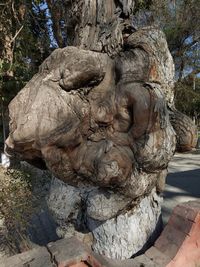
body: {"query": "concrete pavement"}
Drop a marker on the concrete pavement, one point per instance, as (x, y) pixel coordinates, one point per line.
(183, 181)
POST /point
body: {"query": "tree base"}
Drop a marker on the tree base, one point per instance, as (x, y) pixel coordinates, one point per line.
(113, 225)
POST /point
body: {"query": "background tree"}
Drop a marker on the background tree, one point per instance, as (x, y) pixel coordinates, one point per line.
(24, 44)
(188, 98)
(180, 21)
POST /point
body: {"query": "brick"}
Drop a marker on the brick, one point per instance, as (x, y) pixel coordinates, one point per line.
(194, 204)
(106, 262)
(80, 264)
(95, 262)
(185, 212)
(157, 256)
(188, 210)
(180, 223)
(140, 261)
(170, 241)
(188, 255)
(195, 230)
(197, 219)
(143, 261)
(67, 252)
(189, 252)
(38, 257)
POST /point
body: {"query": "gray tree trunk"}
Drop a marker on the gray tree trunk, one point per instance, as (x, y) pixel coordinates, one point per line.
(97, 116)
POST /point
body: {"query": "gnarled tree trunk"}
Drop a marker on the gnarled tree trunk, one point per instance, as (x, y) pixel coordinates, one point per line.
(186, 131)
(97, 116)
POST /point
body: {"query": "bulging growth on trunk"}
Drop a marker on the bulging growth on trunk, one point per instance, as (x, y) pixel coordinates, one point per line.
(97, 115)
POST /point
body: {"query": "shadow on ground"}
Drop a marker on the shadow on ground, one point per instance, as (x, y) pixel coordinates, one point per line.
(188, 182)
(180, 187)
(42, 229)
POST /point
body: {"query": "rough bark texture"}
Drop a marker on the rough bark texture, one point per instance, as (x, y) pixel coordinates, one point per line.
(119, 225)
(98, 24)
(97, 116)
(99, 121)
(136, 227)
(186, 131)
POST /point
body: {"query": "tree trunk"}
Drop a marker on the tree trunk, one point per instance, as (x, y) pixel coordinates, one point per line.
(98, 25)
(186, 131)
(6, 54)
(97, 115)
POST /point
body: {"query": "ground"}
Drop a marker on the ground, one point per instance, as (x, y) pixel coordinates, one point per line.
(183, 181)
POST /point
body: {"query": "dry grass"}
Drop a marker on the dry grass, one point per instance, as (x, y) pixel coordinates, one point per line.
(21, 193)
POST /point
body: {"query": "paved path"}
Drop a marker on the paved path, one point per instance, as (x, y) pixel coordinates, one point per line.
(183, 181)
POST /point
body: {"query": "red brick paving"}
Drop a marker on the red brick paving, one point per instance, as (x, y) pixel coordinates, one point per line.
(80, 264)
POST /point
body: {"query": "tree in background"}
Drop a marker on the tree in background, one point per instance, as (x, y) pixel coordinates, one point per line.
(188, 98)
(180, 20)
(24, 40)
(24, 44)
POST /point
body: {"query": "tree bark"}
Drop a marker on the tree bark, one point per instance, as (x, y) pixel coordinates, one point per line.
(186, 131)
(98, 115)
(98, 25)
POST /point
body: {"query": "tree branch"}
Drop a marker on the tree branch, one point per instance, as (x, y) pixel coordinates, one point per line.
(16, 34)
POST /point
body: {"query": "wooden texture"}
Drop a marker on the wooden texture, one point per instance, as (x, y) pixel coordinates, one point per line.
(97, 115)
(98, 24)
(97, 120)
(115, 225)
(186, 131)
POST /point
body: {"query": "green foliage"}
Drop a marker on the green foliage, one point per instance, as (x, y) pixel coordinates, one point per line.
(142, 5)
(180, 21)
(187, 99)
(24, 44)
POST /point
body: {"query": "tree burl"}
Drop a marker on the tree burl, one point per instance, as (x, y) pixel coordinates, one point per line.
(97, 114)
